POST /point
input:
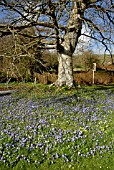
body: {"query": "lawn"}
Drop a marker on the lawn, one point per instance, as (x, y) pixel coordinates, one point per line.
(48, 128)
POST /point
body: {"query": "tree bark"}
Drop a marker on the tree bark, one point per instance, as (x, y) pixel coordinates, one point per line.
(67, 48)
(65, 70)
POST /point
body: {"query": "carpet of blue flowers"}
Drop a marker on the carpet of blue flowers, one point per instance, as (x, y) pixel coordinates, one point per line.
(67, 130)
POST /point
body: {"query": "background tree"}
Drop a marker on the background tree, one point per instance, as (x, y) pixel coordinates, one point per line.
(59, 23)
(20, 56)
(90, 58)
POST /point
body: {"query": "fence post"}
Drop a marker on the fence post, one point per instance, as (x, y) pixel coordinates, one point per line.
(94, 69)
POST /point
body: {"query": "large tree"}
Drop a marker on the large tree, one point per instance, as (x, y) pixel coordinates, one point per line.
(58, 24)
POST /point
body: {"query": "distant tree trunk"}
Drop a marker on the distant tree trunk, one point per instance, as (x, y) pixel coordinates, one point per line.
(67, 48)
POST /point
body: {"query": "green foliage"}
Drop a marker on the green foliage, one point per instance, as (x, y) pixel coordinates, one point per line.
(86, 60)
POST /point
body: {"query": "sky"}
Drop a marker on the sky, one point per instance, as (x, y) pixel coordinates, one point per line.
(88, 43)
(84, 41)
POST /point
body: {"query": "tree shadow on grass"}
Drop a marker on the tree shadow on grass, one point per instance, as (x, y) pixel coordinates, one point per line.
(94, 88)
(104, 87)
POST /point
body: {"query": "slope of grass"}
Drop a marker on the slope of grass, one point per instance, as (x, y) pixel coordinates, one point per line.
(57, 129)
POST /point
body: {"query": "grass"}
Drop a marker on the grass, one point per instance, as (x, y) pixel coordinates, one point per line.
(57, 129)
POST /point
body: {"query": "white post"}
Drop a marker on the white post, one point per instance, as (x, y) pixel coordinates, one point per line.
(94, 69)
(93, 76)
(35, 80)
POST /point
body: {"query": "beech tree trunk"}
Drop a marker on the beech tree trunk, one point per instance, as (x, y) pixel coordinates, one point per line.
(65, 70)
(67, 48)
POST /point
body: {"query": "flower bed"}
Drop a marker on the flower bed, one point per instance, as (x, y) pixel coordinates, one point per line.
(67, 131)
